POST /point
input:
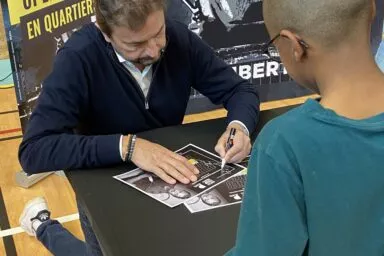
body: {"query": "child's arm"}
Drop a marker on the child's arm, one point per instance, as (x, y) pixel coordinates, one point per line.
(272, 220)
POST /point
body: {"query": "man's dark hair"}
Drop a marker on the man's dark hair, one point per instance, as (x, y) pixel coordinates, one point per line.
(128, 13)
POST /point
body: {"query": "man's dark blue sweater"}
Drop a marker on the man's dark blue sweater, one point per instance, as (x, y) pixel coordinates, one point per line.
(90, 99)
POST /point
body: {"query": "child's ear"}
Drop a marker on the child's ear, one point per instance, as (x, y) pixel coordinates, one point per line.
(298, 51)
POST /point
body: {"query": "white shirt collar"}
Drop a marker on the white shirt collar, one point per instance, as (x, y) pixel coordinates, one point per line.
(131, 65)
(120, 58)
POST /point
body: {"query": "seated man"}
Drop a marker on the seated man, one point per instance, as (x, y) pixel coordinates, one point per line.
(131, 72)
(315, 180)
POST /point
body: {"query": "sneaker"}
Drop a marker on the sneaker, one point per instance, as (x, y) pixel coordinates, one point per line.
(34, 214)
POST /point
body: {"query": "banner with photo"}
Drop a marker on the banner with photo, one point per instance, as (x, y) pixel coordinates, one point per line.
(35, 30)
(235, 29)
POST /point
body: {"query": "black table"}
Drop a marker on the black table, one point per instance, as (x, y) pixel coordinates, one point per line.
(127, 222)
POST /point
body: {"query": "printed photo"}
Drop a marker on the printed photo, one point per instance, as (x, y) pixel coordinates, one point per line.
(210, 175)
(227, 193)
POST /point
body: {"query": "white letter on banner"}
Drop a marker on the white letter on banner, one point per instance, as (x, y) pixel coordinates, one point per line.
(258, 70)
(245, 71)
(272, 68)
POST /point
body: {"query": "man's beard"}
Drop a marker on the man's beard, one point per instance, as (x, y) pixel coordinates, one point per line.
(146, 61)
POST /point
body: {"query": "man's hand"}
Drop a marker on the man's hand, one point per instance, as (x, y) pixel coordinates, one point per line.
(166, 164)
(241, 145)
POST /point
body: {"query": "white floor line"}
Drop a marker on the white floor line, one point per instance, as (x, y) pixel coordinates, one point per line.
(14, 231)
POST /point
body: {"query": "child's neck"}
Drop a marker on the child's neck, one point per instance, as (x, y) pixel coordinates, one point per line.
(351, 84)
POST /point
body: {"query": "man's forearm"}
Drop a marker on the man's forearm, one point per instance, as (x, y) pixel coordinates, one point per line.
(68, 151)
(244, 107)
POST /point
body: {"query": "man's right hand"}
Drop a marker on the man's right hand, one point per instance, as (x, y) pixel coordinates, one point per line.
(167, 165)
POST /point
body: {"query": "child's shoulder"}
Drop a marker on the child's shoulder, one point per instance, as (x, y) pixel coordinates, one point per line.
(286, 123)
(292, 125)
(279, 137)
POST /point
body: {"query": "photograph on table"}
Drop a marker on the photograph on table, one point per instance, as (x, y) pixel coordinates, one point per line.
(210, 175)
(227, 193)
(153, 186)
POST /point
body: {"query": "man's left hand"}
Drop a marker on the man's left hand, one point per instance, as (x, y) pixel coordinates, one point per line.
(241, 145)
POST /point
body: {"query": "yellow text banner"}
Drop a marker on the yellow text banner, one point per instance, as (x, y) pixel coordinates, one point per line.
(20, 8)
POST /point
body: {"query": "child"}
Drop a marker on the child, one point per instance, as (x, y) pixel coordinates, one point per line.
(316, 176)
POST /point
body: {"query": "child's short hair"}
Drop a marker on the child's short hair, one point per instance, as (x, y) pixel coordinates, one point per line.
(328, 22)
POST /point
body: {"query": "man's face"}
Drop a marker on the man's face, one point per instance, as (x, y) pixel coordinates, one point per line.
(142, 46)
(211, 200)
(179, 193)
